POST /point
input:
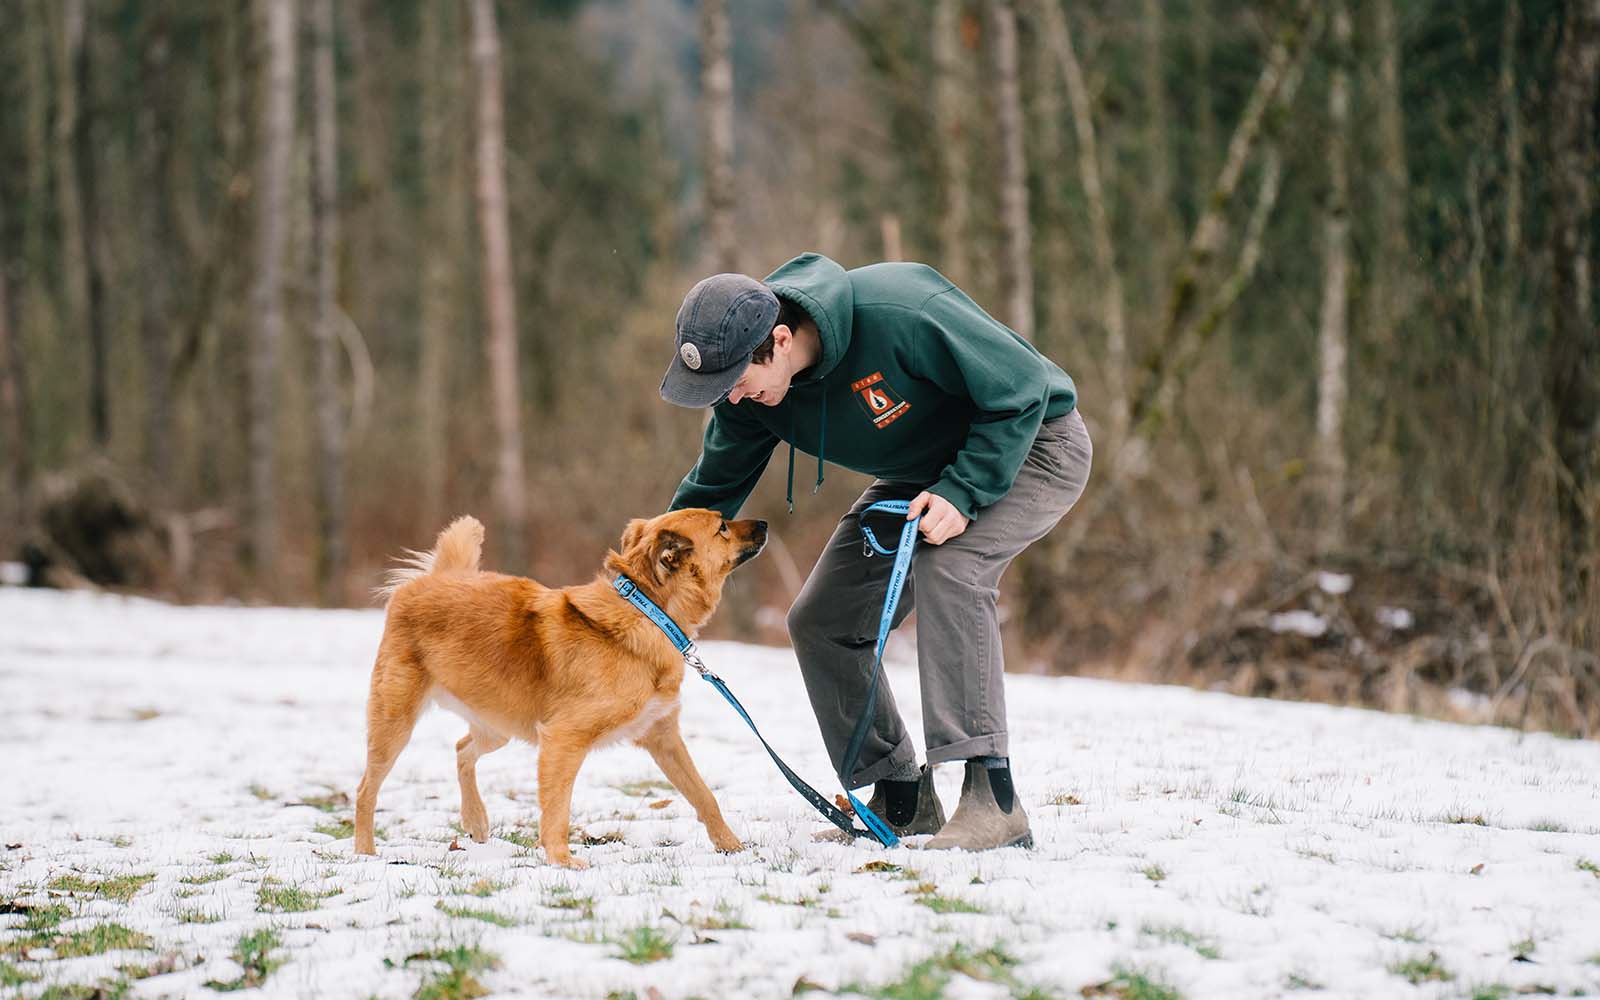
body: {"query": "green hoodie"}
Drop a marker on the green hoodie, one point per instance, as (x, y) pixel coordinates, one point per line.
(916, 384)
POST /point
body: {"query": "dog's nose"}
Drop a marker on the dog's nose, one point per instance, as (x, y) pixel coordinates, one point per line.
(761, 529)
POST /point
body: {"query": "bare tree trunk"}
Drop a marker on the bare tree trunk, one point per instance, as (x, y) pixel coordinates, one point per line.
(157, 230)
(951, 87)
(331, 549)
(1212, 226)
(36, 95)
(275, 144)
(1573, 371)
(1017, 269)
(716, 84)
(14, 433)
(1334, 332)
(1204, 112)
(1389, 278)
(1511, 111)
(83, 223)
(1059, 39)
(444, 243)
(1158, 206)
(499, 293)
(69, 207)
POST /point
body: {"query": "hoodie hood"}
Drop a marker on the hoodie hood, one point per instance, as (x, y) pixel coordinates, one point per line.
(822, 288)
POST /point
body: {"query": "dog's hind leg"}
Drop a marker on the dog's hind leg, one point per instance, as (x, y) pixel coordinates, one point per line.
(398, 690)
(477, 742)
(665, 744)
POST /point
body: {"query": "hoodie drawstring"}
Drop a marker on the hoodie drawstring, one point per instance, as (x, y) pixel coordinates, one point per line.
(822, 451)
(822, 440)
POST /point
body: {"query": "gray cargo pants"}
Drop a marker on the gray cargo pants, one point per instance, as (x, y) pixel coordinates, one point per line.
(834, 622)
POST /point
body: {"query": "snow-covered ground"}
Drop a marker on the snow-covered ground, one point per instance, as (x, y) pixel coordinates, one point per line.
(197, 763)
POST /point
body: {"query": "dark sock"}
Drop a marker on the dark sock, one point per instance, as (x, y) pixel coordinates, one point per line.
(999, 771)
(900, 798)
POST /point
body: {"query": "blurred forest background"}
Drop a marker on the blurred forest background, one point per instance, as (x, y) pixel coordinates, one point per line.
(286, 284)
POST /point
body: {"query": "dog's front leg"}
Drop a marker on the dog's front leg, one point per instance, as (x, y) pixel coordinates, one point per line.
(665, 744)
(560, 756)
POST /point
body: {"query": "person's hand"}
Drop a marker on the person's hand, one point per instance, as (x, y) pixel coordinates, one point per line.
(940, 519)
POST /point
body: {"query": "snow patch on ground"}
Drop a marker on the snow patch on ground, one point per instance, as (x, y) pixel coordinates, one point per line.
(1227, 847)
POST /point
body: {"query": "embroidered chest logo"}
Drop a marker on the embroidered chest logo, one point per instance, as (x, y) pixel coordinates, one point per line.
(882, 403)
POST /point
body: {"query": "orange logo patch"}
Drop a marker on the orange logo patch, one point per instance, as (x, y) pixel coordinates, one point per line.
(882, 403)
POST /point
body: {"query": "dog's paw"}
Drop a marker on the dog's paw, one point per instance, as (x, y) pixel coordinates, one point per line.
(568, 861)
(728, 844)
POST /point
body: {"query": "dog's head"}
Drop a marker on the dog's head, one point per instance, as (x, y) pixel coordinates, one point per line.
(682, 558)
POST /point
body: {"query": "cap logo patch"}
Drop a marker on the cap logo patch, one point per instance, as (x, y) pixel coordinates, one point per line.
(691, 355)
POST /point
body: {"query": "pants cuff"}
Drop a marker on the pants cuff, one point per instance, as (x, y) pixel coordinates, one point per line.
(992, 745)
(905, 752)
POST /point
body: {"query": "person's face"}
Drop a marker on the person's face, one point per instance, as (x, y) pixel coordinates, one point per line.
(768, 383)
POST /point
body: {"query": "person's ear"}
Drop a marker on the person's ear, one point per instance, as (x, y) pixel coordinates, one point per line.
(782, 339)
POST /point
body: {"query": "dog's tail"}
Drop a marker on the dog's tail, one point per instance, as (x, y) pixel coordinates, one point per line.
(458, 549)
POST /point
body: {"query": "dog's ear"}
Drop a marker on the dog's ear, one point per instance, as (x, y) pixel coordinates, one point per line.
(632, 533)
(671, 550)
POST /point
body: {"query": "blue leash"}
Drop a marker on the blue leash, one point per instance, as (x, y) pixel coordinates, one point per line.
(875, 827)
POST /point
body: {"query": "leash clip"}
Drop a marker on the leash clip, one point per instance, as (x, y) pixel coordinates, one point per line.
(691, 656)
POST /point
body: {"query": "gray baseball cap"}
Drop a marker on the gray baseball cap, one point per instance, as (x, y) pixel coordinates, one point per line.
(723, 319)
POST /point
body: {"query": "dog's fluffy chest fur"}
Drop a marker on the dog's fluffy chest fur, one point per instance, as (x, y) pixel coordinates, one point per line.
(658, 707)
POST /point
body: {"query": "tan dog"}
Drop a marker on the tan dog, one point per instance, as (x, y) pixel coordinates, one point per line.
(568, 669)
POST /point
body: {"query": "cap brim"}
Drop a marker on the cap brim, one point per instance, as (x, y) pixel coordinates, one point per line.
(683, 386)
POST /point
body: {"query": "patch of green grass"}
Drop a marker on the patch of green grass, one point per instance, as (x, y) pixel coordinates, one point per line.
(484, 888)
(198, 916)
(254, 955)
(564, 900)
(948, 904)
(1410, 935)
(467, 913)
(927, 979)
(204, 878)
(1132, 984)
(96, 940)
(106, 989)
(10, 975)
(458, 980)
(726, 918)
(1547, 826)
(40, 916)
(1585, 865)
(1520, 950)
(1422, 969)
(526, 841)
(120, 887)
(221, 858)
(644, 944)
(1295, 981)
(341, 829)
(1491, 991)
(1469, 819)
(273, 897)
(1173, 934)
(1154, 873)
(261, 792)
(643, 789)
(333, 801)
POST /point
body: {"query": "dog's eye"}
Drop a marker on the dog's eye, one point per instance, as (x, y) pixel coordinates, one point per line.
(724, 529)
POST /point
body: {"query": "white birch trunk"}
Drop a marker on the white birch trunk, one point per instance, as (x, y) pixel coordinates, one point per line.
(1333, 327)
(274, 145)
(716, 83)
(498, 290)
(1017, 257)
(325, 252)
(952, 85)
